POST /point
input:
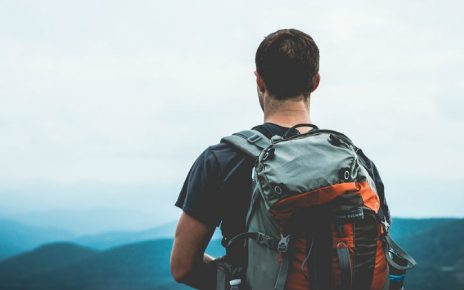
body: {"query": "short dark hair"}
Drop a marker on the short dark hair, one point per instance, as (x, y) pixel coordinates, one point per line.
(288, 60)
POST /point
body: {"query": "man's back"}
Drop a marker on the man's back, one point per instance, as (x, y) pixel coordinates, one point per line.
(218, 188)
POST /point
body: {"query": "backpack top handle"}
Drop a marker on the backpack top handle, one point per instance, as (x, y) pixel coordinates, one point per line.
(298, 126)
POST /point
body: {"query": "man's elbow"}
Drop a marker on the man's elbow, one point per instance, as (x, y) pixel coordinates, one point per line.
(179, 271)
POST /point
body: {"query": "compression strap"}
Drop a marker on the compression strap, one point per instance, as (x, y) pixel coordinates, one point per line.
(260, 238)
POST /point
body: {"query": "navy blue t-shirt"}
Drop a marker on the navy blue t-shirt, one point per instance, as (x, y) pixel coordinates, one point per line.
(217, 190)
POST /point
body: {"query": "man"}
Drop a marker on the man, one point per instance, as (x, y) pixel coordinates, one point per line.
(217, 190)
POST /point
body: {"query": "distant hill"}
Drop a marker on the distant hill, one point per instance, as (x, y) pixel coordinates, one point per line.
(403, 228)
(436, 244)
(14, 270)
(108, 240)
(16, 237)
(439, 252)
(143, 265)
(90, 221)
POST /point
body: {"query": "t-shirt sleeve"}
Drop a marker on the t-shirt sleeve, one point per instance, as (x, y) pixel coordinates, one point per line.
(199, 196)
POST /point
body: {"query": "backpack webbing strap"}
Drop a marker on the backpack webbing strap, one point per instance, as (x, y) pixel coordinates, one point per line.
(345, 267)
(344, 260)
(252, 142)
(400, 252)
(283, 272)
(253, 206)
(279, 245)
(260, 238)
(282, 247)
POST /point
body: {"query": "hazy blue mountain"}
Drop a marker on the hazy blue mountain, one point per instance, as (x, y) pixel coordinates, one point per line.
(405, 227)
(89, 221)
(16, 237)
(108, 240)
(45, 258)
(439, 252)
(436, 245)
(89, 207)
(143, 265)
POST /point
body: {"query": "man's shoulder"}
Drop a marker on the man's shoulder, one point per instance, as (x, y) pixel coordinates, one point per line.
(225, 148)
(224, 153)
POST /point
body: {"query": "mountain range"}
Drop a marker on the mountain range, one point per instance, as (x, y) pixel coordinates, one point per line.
(60, 266)
(16, 237)
(144, 265)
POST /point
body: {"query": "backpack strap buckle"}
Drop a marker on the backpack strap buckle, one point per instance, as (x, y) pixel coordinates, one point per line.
(282, 246)
(385, 225)
(254, 138)
(266, 241)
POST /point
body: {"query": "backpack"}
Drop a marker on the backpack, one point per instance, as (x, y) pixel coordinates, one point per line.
(315, 220)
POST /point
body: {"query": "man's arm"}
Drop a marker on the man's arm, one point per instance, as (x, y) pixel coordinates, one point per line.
(189, 264)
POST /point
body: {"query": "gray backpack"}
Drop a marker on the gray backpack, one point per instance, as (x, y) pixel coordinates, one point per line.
(315, 219)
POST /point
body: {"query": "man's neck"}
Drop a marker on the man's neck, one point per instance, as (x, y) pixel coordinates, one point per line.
(287, 113)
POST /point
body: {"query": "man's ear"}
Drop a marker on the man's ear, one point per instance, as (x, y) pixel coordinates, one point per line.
(260, 82)
(316, 80)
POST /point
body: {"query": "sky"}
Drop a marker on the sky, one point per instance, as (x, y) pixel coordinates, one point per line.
(106, 104)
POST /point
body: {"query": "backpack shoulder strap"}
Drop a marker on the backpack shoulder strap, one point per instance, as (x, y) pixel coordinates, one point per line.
(251, 142)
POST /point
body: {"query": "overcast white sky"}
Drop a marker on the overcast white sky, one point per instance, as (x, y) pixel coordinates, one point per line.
(126, 94)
